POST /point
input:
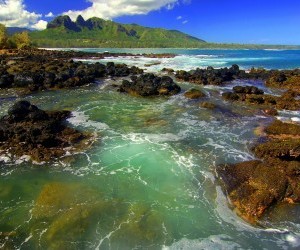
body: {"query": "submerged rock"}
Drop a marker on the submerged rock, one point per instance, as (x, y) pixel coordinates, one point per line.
(141, 225)
(42, 135)
(208, 105)
(150, 85)
(194, 94)
(69, 211)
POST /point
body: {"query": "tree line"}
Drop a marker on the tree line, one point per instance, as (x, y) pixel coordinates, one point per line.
(15, 41)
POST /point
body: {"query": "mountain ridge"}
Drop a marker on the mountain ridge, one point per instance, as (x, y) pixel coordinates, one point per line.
(97, 32)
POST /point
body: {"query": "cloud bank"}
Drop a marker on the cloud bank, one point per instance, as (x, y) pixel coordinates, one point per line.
(13, 13)
(109, 9)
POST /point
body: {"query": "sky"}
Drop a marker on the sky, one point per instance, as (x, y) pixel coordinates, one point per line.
(221, 21)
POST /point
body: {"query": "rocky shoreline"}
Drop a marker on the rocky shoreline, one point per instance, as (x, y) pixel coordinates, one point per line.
(42, 135)
(253, 187)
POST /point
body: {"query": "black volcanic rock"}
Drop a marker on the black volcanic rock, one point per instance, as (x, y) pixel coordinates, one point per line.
(39, 70)
(150, 85)
(28, 130)
(210, 76)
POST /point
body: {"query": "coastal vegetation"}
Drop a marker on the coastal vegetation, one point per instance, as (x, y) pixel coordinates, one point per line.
(15, 41)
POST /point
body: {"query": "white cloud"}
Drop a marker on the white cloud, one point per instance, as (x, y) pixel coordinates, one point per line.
(50, 14)
(40, 25)
(179, 17)
(109, 9)
(13, 13)
(185, 22)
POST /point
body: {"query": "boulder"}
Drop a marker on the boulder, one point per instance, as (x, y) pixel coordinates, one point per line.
(255, 186)
(150, 85)
(247, 90)
(42, 135)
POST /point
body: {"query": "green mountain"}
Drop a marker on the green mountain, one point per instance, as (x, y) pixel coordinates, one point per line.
(13, 30)
(97, 32)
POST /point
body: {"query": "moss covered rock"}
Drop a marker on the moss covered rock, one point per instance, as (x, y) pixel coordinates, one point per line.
(255, 186)
(194, 94)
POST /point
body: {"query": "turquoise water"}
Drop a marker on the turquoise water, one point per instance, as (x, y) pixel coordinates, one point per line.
(148, 181)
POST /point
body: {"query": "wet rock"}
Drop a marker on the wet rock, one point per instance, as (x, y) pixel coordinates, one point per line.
(247, 90)
(288, 79)
(253, 95)
(209, 76)
(208, 105)
(256, 186)
(28, 130)
(194, 94)
(279, 128)
(271, 112)
(37, 70)
(288, 150)
(6, 81)
(230, 96)
(168, 70)
(150, 85)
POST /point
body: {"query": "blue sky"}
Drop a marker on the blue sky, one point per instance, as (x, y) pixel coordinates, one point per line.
(243, 21)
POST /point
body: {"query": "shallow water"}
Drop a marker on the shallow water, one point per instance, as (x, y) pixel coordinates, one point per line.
(148, 181)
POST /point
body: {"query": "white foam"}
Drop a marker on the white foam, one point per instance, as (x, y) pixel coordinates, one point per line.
(4, 159)
(81, 119)
(295, 119)
(152, 138)
(213, 242)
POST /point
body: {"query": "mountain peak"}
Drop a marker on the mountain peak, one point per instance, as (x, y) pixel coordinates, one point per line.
(80, 21)
(63, 21)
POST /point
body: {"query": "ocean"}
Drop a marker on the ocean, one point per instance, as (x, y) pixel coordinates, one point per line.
(187, 59)
(149, 180)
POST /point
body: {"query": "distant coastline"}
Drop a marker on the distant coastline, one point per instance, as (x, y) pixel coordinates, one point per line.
(208, 46)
